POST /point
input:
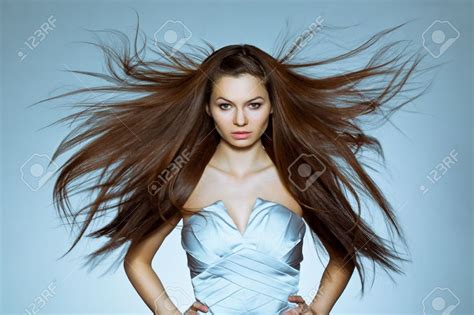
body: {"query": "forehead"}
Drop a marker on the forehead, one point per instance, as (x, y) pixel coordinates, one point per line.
(238, 88)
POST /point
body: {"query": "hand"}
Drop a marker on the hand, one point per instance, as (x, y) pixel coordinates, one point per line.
(302, 307)
(197, 306)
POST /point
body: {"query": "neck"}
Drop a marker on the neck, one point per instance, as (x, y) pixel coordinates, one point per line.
(239, 162)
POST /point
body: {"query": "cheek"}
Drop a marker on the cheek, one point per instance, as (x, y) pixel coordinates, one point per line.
(223, 122)
(261, 123)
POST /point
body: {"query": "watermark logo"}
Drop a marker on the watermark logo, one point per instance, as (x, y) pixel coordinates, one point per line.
(172, 298)
(173, 33)
(440, 301)
(305, 170)
(35, 171)
(438, 37)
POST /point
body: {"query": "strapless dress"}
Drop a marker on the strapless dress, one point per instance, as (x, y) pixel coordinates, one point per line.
(252, 272)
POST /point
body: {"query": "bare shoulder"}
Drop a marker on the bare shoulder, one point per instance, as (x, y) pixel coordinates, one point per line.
(205, 190)
(277, 192)
(265, 183)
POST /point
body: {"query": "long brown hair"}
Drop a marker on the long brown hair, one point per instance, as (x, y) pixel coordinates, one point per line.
(148, 152)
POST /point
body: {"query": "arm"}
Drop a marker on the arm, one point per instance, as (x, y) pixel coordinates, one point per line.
(137, 265)
(333, 282)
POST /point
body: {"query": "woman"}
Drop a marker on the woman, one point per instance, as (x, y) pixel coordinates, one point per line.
(246, 150)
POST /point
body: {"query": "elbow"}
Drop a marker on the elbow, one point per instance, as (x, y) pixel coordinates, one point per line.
(128, 266)
(133, 265)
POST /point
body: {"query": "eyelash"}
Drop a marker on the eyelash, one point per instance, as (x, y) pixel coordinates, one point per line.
(259, 104)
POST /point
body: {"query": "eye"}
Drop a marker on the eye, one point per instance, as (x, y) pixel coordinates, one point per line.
(223, 104)
(256, 104)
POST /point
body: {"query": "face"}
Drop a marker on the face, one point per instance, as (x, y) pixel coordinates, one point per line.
(240, 104)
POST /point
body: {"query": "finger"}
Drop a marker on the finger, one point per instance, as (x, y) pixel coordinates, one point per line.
(197, 306)
(302, 306)
(296, 299)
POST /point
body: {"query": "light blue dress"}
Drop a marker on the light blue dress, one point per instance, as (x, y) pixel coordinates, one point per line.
(250, 273)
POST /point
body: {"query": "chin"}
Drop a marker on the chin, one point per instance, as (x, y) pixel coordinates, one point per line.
(241, 143)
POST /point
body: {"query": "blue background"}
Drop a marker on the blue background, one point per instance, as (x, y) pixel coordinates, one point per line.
(438, 222)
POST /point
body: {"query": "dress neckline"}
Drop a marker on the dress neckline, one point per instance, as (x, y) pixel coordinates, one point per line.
(258, 201)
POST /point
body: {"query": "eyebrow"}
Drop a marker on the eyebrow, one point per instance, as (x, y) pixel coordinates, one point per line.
(253, 99)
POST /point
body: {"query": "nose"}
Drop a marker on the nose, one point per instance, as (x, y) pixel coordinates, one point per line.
(240, 118)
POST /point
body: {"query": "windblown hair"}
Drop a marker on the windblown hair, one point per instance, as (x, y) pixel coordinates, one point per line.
(147, 153)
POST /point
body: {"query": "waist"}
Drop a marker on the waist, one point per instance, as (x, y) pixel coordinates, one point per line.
(251, 306)
(242, 277)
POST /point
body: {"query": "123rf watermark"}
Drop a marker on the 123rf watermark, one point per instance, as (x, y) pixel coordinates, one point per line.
(40, 301)
(38, 36)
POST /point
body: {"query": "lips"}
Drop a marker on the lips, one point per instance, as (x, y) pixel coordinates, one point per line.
(241, 135)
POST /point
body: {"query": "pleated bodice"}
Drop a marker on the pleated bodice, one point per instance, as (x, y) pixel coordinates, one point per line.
(252, 272)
